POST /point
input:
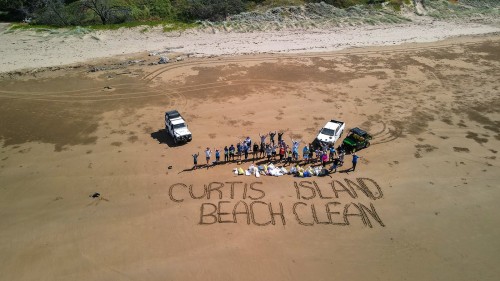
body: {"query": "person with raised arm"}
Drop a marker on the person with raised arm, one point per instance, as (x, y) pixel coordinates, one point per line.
(263, 138)
(271, 136)
(195, 160)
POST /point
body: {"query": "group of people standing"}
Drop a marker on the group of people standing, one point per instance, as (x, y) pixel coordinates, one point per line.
(274, 147)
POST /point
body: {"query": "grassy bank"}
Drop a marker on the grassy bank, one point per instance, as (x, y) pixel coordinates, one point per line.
(167, 26)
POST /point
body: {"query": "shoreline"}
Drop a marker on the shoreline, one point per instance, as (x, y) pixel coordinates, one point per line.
(48, 50)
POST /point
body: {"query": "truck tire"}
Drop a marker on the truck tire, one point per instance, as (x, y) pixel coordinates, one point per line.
(175, 140)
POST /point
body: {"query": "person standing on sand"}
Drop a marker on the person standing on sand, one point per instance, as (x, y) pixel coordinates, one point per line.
(295, 143)
(335, 165)
(231, 152)
(262, 138)
(341, 157)
(295, 149)
(226, 154)
(208, 154)
(295, 154)
(305, 153)
(280, 137)
(246, 148)
(318, 155)
(324, 158)
(268, 152)
(282, 153)
(217, 156)
(288, 155)
(354, 161)
(238, 151)
(271, 136)
(332, 152)
(248, 141)
(255, 150)
(262, 150)
(274, 152)
(195, 160)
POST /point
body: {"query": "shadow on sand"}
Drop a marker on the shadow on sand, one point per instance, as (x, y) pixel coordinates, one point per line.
(163, 138)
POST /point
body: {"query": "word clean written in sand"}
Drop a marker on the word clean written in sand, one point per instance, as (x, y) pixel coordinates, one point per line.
(248, 203)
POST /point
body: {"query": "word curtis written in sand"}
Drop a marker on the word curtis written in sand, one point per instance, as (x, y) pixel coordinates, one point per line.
(317, 204)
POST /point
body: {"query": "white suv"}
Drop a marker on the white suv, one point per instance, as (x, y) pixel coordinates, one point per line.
(177, 127)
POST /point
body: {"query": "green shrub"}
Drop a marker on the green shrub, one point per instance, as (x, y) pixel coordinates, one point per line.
(211, 9)
(281, 3)
(396, 4)
(344, 3)
(161, 8)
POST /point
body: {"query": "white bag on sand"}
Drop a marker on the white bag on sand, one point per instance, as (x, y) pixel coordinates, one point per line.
(317, 170)
(235, 171)
(247, 173)
(257, 174)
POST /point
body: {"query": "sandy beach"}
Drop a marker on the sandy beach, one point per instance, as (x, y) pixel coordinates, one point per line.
(23, 49)
(420, 205)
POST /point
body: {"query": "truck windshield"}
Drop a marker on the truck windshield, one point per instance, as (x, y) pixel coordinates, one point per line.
(328, 132)
(178, 126)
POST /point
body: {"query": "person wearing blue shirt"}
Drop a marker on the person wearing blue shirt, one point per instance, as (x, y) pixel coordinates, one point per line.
(231, 152)
(238, 150)
(305, 153)
(217, 156)
(245, 149)
(332, 153)
(354, 161)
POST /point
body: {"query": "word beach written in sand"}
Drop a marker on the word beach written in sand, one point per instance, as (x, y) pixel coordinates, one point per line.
(245, 203)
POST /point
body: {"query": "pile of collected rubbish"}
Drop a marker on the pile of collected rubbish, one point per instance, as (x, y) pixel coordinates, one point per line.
(277, 171)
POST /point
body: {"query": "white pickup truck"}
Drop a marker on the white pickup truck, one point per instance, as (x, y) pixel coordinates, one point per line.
(330, 133)
(176, 127)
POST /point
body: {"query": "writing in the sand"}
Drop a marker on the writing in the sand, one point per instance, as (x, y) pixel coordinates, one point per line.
(316, 204)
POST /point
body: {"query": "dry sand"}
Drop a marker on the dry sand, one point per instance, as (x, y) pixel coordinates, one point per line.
(33, 49)
(433, 110)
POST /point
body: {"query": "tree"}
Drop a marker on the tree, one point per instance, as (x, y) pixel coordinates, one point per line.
(19, 9)
(106, 10)
(55, 10)
(11, 4)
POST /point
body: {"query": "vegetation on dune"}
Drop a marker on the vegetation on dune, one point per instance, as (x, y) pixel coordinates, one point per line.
(181, 14)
